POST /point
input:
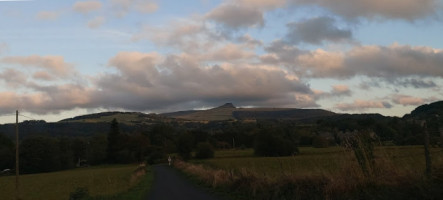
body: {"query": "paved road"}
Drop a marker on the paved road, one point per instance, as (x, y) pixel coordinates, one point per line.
(170, 185)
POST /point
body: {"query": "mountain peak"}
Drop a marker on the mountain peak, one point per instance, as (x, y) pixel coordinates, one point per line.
(227, 105)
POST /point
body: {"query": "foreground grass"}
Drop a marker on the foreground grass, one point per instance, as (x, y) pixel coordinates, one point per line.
(320, 161)
(327, 173)
(103, 181)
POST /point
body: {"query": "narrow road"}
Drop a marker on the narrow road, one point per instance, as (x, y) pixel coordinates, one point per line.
(170, 185)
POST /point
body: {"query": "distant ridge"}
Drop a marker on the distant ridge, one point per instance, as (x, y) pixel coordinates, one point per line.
(227, 105)
(228, 111)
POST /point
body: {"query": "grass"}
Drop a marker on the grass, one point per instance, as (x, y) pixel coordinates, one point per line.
(104, 181)
(322, 173)
(318, 161)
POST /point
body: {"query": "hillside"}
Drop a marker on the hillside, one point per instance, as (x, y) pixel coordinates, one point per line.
(229, 112)
(128, 118)
(427, 111)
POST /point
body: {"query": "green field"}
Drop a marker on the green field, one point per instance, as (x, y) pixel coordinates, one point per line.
(100, 181)
(320, 161)
(397, 172)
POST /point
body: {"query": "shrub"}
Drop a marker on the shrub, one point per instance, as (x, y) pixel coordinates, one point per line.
(273, 145)
(204, 151)
(320, 142)
(184, 146)
(79, 194)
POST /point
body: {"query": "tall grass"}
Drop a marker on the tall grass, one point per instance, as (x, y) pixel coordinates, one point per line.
(100, 181)
(329, 173)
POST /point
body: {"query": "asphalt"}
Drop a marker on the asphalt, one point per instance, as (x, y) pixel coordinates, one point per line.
(171, 185)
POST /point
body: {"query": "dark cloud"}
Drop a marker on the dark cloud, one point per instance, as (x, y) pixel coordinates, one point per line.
(376, 9)
(180, 80)
(316, 31)
(233, 16)
(416, 83)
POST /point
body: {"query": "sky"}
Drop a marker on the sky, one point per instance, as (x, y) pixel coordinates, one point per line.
(60, 59)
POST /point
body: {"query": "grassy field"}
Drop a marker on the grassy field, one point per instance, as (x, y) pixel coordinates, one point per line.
(319, 161)
(101, 181)
(321, 173)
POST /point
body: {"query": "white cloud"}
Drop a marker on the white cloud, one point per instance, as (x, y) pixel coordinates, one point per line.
(386, 62)
(96, 22)
(86, 7)
(362, 105)
(407, 100)
(3, 47)
(122, 7)
(47, 15)
(54, 64)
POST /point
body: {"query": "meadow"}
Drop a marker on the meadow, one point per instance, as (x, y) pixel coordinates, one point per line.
(102, 182)
(321, 173)
(320, 161)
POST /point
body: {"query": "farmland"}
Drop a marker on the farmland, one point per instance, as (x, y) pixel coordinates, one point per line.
(100, 181)
(320, 161)
(321, 173)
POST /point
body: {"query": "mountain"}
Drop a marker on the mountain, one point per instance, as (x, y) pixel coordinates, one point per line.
(229, 112)
(426, 111)
(128, 118)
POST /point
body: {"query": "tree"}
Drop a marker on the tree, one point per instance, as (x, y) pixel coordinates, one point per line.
(97, 149)
(6, 153)
(204, 150)
(270, 143)
(39, 154)
(184, 145)
(113, 141)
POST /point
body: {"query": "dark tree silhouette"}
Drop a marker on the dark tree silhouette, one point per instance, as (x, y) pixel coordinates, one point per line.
(113, 141)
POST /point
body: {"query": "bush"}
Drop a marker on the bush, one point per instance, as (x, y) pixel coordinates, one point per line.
(320, 142)
(156, 156)
(204, 151)
(274, 145)
(184, 146)
(79, 194)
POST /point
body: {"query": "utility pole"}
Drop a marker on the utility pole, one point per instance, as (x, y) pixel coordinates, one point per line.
(17, 193)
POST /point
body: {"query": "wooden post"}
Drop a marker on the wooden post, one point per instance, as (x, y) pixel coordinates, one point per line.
(17, 166)
(427, 153)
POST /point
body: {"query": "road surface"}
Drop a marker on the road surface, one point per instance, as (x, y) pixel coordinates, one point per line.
(170, 185)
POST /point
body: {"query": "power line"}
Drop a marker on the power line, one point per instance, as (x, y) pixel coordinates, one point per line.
(29, 117)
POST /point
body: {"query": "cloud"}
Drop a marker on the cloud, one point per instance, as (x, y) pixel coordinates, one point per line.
(86, 7)
(148, 81)
(54, 64)
(47, 15)
(13, 78)
(387, 62)
(54, 100)
(415, 82)
(362, 105)
(406, 100)
(96, 22)
(340, 90)
(122, 7)
(234, 16)
(261, 4)
(374, 9)
(3, 47)
(316, 31)
(229, 52)
(147, 7)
